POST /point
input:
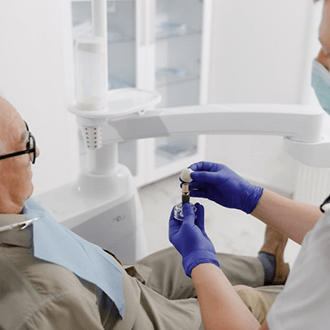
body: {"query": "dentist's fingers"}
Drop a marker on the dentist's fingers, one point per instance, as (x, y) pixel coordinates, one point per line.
(200, 216)
(188, 214)
(201, 166)
(174, 225)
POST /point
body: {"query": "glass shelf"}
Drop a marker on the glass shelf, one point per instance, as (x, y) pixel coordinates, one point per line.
(169, 76)
(123, 40)
(172, 67)
(176, 34)
(174, 148)
(116, 82)
(85, 29)
(166, 29)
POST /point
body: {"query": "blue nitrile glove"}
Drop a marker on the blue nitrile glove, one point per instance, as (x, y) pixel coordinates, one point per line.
(220, 184)
(189, 238)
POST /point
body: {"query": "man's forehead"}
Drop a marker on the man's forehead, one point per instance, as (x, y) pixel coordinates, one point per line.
(11, 123)
(325, 29)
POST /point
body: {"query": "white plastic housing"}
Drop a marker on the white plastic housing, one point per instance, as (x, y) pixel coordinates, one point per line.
(297, 122)
(306, 129)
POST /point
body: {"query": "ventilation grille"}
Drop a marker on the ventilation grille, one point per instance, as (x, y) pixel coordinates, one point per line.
(92, 137)
(313, 185)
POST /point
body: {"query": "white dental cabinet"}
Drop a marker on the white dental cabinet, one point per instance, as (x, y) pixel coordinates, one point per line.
(157, 45)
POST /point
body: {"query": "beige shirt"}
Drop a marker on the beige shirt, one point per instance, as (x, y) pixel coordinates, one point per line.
(40, 295)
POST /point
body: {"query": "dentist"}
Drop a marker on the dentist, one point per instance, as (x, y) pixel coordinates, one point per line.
(304, 302)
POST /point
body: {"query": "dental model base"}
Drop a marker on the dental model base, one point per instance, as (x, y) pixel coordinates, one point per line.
(178, 212)
(103, 205)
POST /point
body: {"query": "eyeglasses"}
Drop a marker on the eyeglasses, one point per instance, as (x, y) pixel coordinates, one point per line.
(325, 206)
(31, 148)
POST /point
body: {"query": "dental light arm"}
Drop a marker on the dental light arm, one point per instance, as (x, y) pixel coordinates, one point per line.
(304, 128)
(300, 123)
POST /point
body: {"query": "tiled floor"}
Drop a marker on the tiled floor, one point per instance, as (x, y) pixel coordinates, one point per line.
(231, 231)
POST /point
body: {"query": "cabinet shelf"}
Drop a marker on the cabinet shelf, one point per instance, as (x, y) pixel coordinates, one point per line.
(169, 29)
(85, 29)
(169, 151)
(179, 80)
(170, 35)
(121, 41)
(116, 82)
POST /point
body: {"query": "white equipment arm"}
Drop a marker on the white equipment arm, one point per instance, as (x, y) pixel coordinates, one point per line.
(301, 123)
(301, 126)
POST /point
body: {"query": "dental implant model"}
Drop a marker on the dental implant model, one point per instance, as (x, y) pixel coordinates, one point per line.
(185, 194)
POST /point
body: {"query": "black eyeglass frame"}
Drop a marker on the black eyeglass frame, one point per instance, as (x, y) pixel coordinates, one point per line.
(326, 201)
(29, 150)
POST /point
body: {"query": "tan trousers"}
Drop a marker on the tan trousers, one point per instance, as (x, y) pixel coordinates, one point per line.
(167, 298)
(258, 300)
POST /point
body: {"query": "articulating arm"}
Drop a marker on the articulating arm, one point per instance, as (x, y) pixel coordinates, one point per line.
(299, 123)
(306, 129)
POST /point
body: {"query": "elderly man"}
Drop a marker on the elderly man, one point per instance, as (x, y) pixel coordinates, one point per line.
(51, 278)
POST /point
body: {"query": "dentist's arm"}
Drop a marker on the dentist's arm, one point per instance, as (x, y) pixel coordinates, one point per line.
(222, 185)
(221, 307)
(292, 218)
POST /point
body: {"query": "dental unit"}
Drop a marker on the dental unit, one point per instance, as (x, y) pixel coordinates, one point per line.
(103, 204)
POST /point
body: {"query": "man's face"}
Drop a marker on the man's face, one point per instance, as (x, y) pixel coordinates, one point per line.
(15, 172)
(324, 54)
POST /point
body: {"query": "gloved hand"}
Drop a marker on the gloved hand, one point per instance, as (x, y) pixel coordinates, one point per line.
(222, 185)
(189, 238)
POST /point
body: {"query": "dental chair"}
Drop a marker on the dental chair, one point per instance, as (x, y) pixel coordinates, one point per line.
(103, 205)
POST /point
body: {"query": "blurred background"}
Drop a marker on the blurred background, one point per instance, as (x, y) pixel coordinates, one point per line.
(190, 51)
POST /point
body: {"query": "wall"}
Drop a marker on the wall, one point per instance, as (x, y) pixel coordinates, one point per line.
(261, 53)
(32, 79)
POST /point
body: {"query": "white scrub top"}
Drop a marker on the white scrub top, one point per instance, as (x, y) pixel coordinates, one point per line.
(304, 303)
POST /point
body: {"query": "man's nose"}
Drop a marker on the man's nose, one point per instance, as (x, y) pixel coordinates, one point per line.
(323, 59)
